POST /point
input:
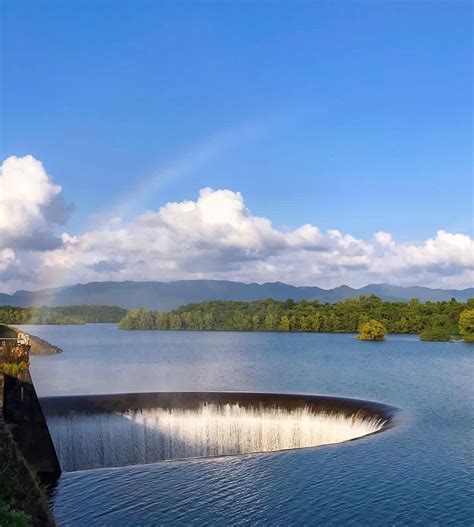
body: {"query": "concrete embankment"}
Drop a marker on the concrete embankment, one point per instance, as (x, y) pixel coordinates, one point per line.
(28, 462)
(23, 412)
(37, 346)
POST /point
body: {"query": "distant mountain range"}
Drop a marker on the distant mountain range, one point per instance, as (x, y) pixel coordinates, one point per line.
(170, 295)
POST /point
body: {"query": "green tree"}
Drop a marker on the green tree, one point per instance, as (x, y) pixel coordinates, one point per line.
(372, 330)
(316, 322)
(402, 326)
(256, 322)
(175, 321)
(12, 518)
(436, 334)
(209, 321)
(271, 315)
(130, 320)
(284, 323)
(466, 325)
(270, 322)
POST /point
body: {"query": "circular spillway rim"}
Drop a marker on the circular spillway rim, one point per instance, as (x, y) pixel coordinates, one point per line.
(133, 405)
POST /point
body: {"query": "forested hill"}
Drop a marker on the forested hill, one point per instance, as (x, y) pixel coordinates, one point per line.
(61, 315)
(272, 315)
(170, 295)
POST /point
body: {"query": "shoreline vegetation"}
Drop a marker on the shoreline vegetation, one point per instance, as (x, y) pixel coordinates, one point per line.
(61, 315)
(23, 498)
(369, 315)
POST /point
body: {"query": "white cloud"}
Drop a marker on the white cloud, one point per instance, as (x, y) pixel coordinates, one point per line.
(7, 257)
(30, 205)
(384, 239)
(216, 236)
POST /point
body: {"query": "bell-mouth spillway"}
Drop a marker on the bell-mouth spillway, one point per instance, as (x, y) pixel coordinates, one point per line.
(98, 431)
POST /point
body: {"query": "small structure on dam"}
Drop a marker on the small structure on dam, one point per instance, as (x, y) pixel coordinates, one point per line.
(127, 429)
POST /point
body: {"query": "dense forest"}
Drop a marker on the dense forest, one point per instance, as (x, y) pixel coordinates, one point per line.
(271, 315)
(433, 320)
(61, 315)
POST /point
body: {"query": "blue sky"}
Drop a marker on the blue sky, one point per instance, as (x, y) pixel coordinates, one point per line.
(345, 115)
(361, 111)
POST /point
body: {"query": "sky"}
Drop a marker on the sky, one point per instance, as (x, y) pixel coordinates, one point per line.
(315, 143)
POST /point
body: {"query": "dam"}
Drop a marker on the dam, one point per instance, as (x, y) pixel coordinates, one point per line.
(28, 461)
(130, 429)
(70, 433)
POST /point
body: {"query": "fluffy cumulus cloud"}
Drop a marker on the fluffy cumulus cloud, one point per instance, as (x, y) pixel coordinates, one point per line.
(30, 205)
(214, 236)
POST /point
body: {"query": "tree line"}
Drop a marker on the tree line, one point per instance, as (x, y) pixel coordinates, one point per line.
(61, 315)
(305, 316)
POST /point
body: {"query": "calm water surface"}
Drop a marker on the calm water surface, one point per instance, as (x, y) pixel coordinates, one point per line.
(419, 473)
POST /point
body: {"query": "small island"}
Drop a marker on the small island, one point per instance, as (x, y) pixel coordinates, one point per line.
(436, 334)
(372, 330)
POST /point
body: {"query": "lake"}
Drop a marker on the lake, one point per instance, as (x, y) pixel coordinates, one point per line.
(417, 473)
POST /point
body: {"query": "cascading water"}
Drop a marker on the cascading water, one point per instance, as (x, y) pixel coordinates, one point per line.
(94, 439)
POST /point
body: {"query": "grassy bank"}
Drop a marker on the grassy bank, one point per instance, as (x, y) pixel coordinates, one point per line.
(23, 501)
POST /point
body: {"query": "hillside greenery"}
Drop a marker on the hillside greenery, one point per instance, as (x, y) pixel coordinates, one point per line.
(271, 315)
(466, 323)
(436, 334)
(61, 315)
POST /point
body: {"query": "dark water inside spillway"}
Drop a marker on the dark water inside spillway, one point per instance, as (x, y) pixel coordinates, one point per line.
(416, 473)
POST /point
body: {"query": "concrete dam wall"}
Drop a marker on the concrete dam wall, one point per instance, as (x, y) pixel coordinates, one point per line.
(23, 413)
(20, 409)
(127, 429)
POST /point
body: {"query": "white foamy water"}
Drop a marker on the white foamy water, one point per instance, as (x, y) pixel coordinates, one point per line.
(116, 439)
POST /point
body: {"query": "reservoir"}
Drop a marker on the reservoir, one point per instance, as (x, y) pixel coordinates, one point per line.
(417, 472)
